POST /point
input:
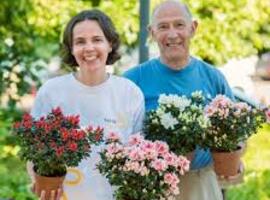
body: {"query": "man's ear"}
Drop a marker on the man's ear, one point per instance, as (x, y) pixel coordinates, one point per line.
(194, 27)
(150, 32)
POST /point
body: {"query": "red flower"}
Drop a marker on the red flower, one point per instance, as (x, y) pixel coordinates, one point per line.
(17, 125)
(64, 134)
(89, 128)
(78, 134)
(53, 145)
(72, 146)
(98, 133)
(59, 151)
(57, 111)
(47, 128)
(27, 117)
(60, 137)
(74, 120)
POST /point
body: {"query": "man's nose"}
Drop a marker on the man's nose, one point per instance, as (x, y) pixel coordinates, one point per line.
(172, 33)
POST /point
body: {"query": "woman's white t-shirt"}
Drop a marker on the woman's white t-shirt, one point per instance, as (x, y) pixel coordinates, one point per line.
(117, 105)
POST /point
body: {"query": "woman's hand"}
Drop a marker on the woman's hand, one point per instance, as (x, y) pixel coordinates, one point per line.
(55, 195)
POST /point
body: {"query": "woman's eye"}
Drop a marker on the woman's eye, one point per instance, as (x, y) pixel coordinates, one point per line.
(79, 42)
(98, 40)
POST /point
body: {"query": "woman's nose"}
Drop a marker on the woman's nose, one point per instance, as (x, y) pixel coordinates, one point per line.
(89, 46)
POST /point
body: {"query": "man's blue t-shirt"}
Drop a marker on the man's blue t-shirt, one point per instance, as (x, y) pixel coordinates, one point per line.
(155, 78)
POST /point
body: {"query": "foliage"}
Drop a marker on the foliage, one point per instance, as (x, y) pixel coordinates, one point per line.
(179, 121)
(257, 174)
(233, 29)
(231, 123)
(35, 28)
(228, 30)
(141, 169)
(57, 138)
(14, 182)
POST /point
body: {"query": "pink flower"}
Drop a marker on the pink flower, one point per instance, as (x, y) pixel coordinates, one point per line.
(135, 139)
(171, 159)
(242, 106)
(136, 154)
(113, 136)
(159, 165)
(149, 150)
(174, 190)
(161, 147)
(210, 110)
(171, 179)
(132, 166)
(221, 101)
(223, 113)
(114, 148)
(183, 164)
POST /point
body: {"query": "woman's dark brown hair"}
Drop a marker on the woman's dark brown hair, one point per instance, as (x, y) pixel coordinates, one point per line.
(105, 24)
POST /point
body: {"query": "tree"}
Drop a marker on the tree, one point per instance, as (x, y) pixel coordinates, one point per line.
(31, 33)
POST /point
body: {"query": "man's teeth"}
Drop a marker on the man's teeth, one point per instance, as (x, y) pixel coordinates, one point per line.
(173, 45)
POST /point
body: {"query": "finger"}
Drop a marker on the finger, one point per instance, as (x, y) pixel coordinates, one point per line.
(30, 170)
(42, 195)
(33, 187)
(59, 194)
(52, 197)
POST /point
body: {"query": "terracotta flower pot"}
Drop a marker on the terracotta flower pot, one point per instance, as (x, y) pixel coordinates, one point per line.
(227, 163)
(48, 184)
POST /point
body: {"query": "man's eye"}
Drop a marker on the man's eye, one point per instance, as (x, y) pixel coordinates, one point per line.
(179, 24)
(162, 27)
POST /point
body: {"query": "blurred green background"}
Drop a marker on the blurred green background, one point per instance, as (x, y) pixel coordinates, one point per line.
(30, 35)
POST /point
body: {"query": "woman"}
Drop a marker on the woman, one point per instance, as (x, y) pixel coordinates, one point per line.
(90, 43)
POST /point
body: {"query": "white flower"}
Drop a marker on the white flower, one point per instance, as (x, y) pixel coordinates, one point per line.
(160, 111)
(180, 102)
(164, 99)
(168, 121)
(203, 121)
(197, 94)
(9, 42)
(155, 121)
(248, 119)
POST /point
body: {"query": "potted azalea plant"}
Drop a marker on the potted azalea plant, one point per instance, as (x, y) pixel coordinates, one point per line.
(53, 143)
(179, 121)
(232, 123)
(141, 169)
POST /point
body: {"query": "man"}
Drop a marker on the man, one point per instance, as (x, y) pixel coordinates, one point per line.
(177, 72)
